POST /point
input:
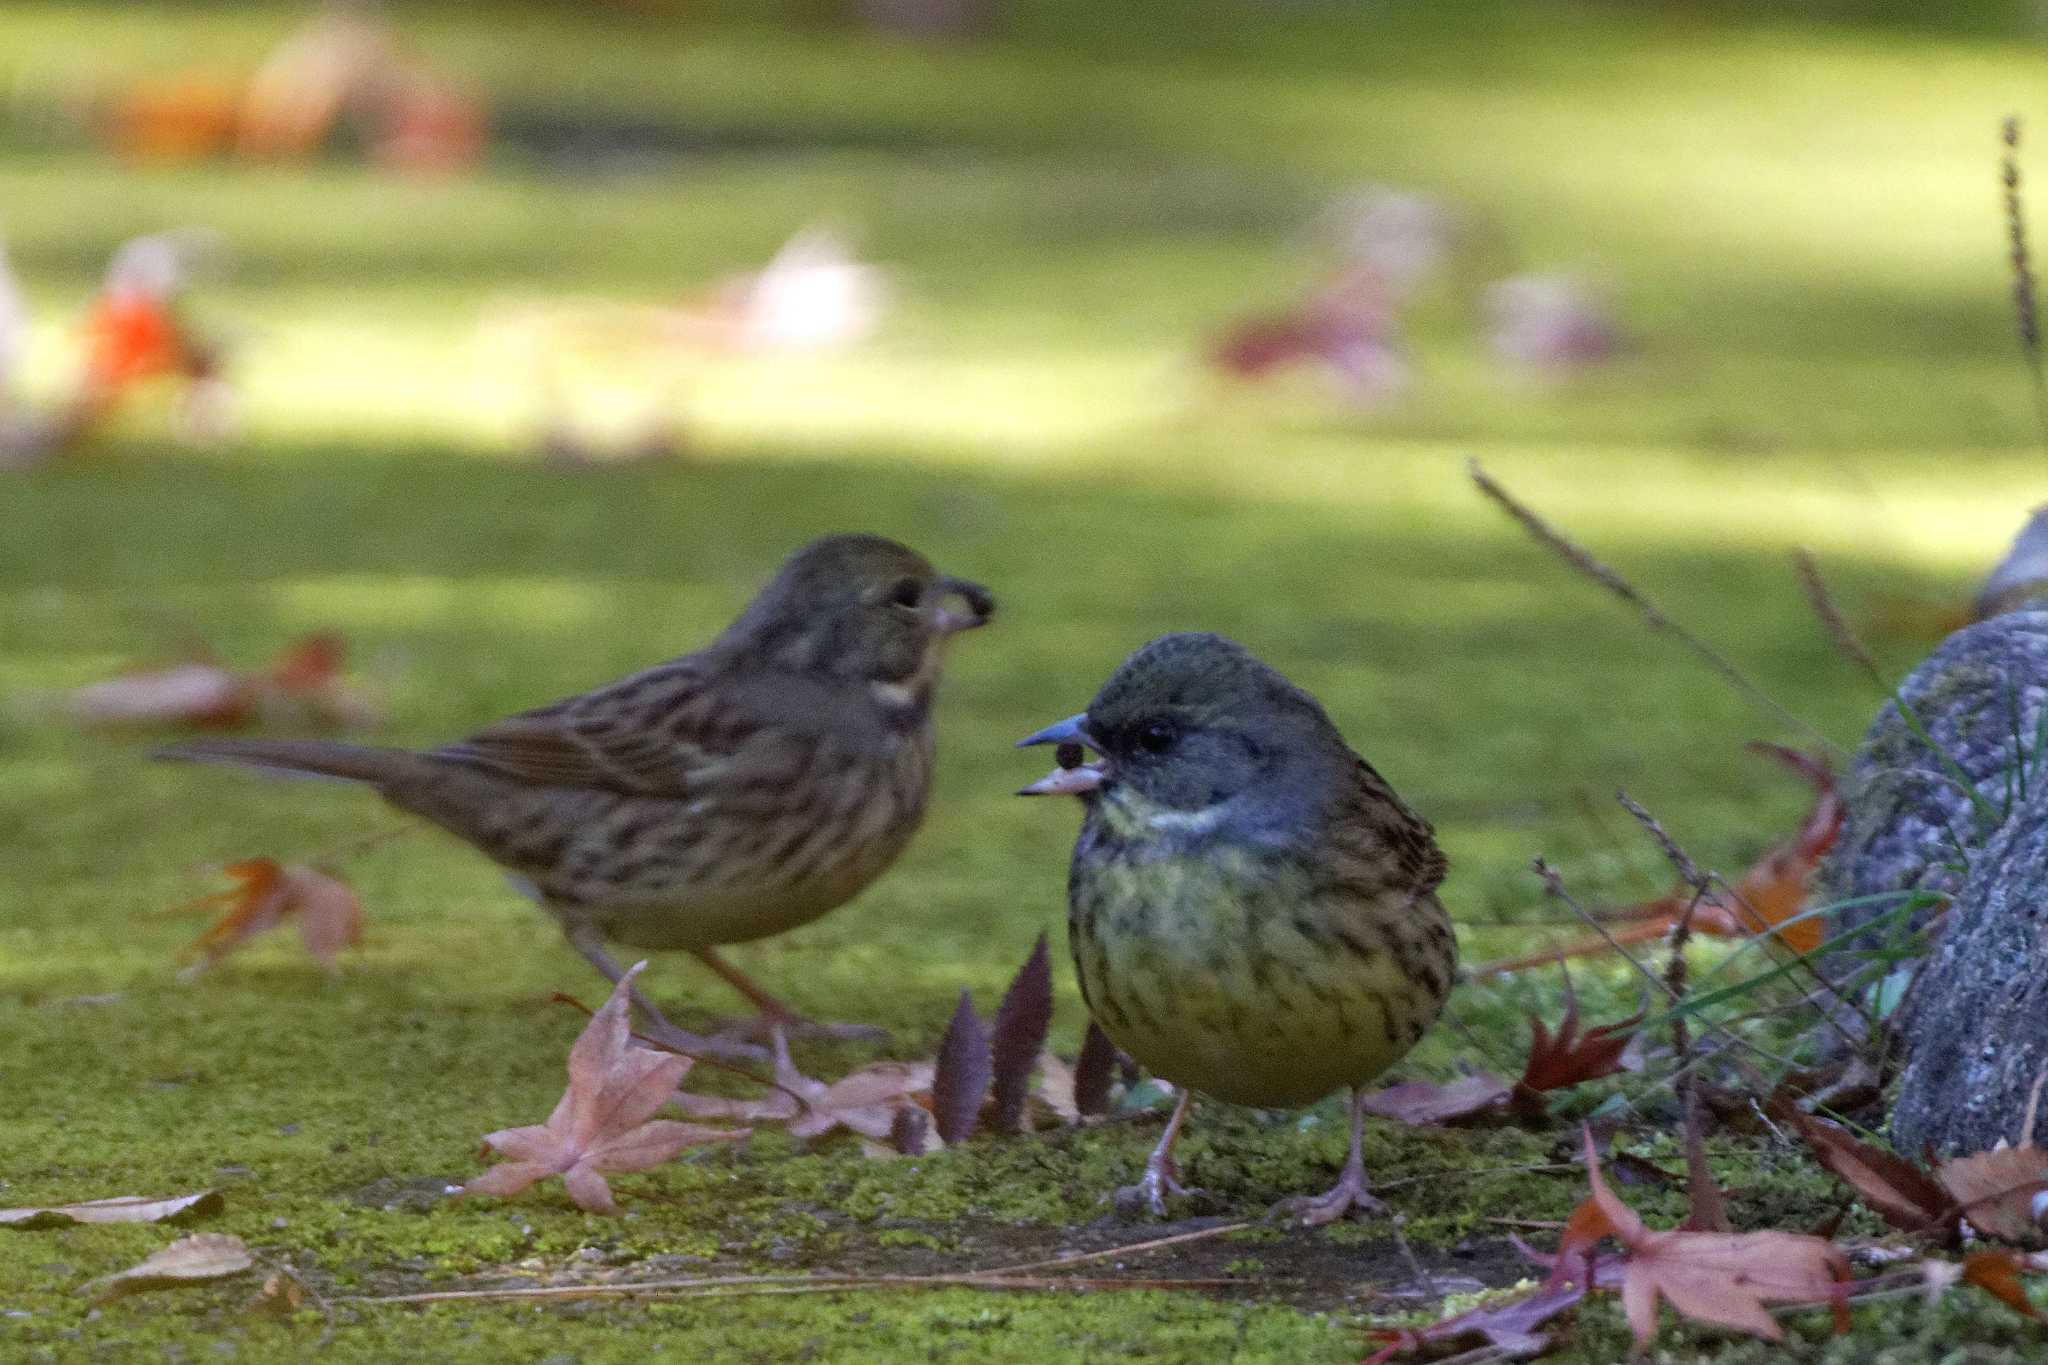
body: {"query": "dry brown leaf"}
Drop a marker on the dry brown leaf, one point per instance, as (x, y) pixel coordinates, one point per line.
(330, 917)
(126, 1208)
(604, 1123)
(1569, 1057)
(302, 686)
(280, 1297)
(197, 694)
(1724, 1278)
(1421, 1103)
(1055, 1090)
(198, 1259)
(1895, 1189)
(2004, 1192)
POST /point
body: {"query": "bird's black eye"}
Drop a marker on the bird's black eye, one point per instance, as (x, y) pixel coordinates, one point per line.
(908, 592)
(1158, 736)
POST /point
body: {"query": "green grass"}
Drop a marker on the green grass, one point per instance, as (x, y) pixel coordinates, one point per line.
(1799, 223)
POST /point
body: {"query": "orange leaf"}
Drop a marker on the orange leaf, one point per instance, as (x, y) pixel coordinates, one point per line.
(330, 916)
(1997, 1273)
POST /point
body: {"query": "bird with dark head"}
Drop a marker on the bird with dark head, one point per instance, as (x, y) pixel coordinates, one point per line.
(1252, 910)
(721, 797)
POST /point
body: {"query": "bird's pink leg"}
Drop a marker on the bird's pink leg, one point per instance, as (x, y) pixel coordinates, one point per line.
(1162, 1177)
(774, 1013)
(1350, 1192)
(654, 1027)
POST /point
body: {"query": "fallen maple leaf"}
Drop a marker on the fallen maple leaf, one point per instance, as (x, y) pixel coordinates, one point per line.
(303, 686)
(1724, 1278)
(1557, 1061)
(1509, 1328)
(202, 695)
(330, 917)
(198, 1259)
(1895, 1189)
(127, 1208)
(604, 1123)
(1568, 1057)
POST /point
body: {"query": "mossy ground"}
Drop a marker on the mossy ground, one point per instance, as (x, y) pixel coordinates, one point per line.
(1800, 226)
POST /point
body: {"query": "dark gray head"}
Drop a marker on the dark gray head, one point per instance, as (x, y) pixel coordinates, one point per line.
(1192, 720)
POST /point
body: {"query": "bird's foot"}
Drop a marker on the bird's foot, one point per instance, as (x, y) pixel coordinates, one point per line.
(1160, 1182)
(1347, 1196)
(761, 1028)
(719, 1047)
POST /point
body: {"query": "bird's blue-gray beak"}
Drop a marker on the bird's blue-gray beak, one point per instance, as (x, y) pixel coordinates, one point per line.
(1074, 779)
(1072, 730)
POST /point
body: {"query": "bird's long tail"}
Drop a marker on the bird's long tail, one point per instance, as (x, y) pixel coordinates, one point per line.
(299, 757)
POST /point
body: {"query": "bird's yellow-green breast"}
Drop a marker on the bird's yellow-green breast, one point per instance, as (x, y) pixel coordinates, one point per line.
(1247, 971)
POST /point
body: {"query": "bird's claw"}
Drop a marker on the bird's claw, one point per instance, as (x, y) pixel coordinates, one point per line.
(1347, 1196)
(1160, 1182)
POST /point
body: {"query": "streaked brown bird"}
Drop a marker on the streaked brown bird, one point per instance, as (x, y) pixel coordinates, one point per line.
(1252, 909)
(721, 797)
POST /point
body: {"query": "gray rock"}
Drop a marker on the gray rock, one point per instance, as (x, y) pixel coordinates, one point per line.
(1978, 1033)
(1966, 817)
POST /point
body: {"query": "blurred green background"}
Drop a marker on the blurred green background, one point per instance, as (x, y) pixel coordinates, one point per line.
(1790, 216)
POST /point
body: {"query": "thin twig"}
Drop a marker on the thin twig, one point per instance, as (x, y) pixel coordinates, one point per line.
(1554, 885)
(1653, 616)
(1468, 1172)
(1688, 870)
(1130, 1249)
(997, 1277)
(1840, 632)
(738, 1286)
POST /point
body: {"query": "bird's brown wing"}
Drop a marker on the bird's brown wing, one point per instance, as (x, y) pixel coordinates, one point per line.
(672, 731)
(1390, 836)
